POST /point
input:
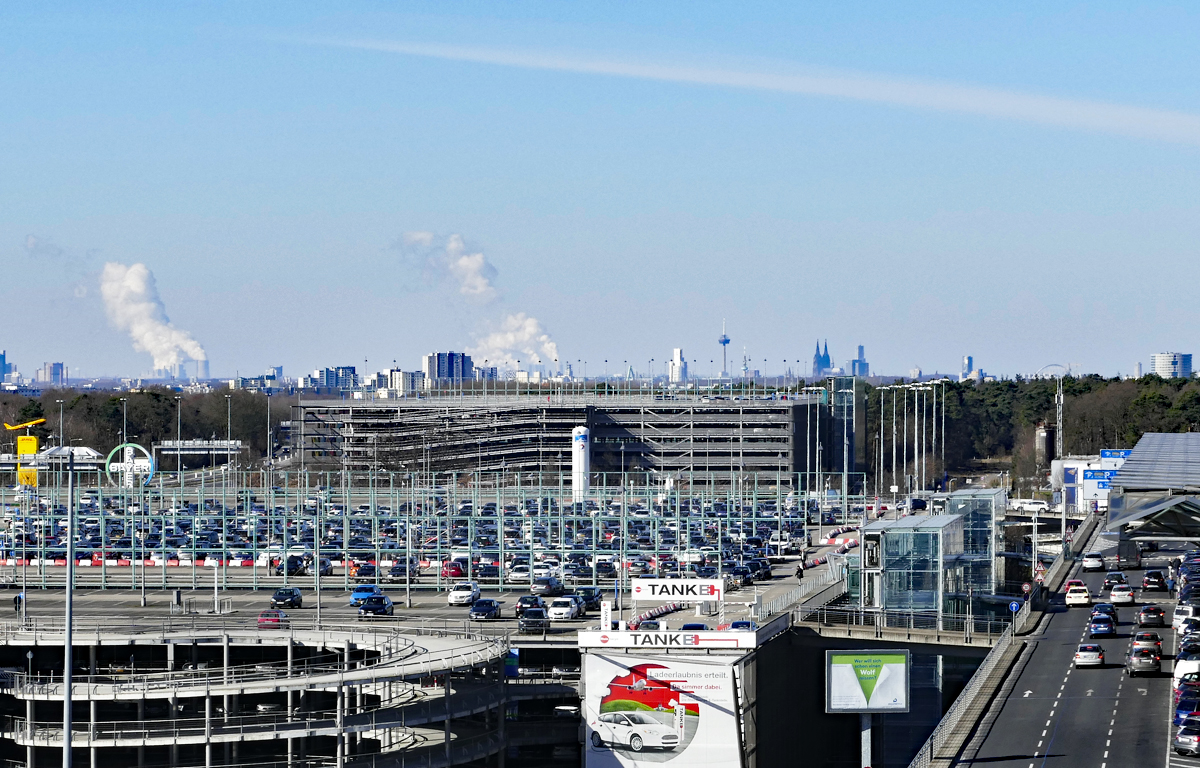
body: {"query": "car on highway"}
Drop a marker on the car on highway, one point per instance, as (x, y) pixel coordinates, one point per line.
(1101, 625)
(376, 605)
(1078, 596)
(1089, 655)
(525, 602)
(463, 593)
(1108, 609)
(1121, 594)
(1093, 561)
(1142, 661)
(533, 620)
(485, 610)
(1154, 581)
(287, 597)
(1151, 616)
(636, 730)
(273, 619)
(1147, 639)
(1074, 583)
(362, 592)
(1113, 578)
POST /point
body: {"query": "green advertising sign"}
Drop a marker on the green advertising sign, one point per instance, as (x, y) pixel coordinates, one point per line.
(866, 681)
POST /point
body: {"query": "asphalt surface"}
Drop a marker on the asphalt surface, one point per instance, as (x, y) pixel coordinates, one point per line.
(1058, 715)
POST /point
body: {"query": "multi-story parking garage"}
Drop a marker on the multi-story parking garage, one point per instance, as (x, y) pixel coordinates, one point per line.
(192, 691)
(708, 440)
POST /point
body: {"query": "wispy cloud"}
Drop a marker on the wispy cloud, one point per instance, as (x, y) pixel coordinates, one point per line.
(1094, 116)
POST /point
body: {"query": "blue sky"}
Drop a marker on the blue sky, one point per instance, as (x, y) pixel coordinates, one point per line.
(265, 162)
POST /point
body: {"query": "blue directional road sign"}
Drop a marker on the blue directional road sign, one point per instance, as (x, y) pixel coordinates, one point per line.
(1014, 606)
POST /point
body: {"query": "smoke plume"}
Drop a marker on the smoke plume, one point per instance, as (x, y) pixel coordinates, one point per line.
(520, 337)
(132, 303)
(471, 273)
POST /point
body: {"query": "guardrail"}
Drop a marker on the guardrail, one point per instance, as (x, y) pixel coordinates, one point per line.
(962, 704)
(967, 626)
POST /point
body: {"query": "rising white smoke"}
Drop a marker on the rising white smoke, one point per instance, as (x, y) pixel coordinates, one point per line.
(132, 303)
(520, 337)
(471, 273)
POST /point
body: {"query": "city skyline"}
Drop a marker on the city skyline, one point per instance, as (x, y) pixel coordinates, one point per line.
(338, 186)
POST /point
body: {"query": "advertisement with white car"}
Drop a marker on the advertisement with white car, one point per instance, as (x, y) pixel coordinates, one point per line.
(668, 709)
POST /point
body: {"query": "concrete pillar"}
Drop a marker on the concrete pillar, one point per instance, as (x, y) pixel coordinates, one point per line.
(92, 659)
(141, 716)
(170, 657)
(446, 700)
(30, 762)
(225, 673)
(341, 722)
(207, 730)
(291, 700)
(92, 757)
(173, 703)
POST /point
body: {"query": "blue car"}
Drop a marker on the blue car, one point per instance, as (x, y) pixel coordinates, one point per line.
(1102, 625)
(362, 593)
(1184, 707)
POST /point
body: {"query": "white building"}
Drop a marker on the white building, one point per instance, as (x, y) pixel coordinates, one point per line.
(677, 367)
(1171, 365)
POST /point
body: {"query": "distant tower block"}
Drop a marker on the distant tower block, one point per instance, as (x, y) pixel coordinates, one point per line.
(724, 342)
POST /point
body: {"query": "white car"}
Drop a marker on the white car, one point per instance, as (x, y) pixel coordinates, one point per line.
(1093, 561)
(635, 730)
(563, 609)
(1089, 655)
(1121, 594)
(1078, 596)
(519, 574)
(1182, 612)
(463, 593)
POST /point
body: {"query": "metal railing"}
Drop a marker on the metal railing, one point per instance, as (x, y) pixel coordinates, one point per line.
(964, 703)
(968, 626)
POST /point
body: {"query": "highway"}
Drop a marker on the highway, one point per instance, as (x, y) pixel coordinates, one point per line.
(1057, 715)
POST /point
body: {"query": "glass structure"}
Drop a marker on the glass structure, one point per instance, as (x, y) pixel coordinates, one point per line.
(913, 564)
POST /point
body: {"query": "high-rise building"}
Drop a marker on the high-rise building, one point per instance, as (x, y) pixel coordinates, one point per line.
(859, 366)
(52, 374)
(677, 367)
(968, 365)
(1171, 365)
(454, 367)
(1137, 370)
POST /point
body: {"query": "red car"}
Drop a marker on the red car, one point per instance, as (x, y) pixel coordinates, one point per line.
(452, 570)
(273, 619)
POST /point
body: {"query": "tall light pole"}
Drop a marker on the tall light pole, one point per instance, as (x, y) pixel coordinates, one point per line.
(179, 439)
(61, 441)
(124, 419)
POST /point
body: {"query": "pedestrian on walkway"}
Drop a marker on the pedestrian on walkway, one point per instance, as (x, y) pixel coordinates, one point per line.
(1171, 588)
(17, 602)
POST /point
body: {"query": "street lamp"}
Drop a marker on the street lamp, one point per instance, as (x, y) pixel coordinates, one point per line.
(179, 438)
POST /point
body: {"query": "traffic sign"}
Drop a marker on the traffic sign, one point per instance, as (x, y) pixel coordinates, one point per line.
(1040, 578)
(1040, 567)
(1014, 606)
(1027, 587)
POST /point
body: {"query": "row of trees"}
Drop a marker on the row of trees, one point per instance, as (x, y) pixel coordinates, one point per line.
(998, 419)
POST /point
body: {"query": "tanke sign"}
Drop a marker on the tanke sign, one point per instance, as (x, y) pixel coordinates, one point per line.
(676, 590)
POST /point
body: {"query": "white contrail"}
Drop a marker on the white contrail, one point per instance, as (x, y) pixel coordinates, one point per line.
(1141, 122)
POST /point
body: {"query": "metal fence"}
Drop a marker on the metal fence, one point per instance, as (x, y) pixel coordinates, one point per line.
(969, 627)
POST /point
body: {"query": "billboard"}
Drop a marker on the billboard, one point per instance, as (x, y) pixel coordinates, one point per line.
(866, 681)
(27, 445)
(677, 590)
(644, 710)
(679, 640)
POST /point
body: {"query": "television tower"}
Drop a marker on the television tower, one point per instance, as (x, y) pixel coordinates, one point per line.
(724, 342)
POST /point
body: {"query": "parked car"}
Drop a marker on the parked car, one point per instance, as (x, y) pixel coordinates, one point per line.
(376, 605)
(533, 620)
(546, 586)
(401, 572)
(453, 570)
(694, 627)
(273, 619)
(525, 602)
(287, 597)
(592, 597)
(362, 592)
(463, 593)
(484, 610)
(326, 568)
(563, 609)
(366, 572)
(293, 566)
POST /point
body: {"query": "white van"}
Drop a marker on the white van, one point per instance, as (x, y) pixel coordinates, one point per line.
(1184, 667)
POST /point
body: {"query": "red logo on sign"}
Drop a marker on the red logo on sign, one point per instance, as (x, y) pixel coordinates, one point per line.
(604, 638)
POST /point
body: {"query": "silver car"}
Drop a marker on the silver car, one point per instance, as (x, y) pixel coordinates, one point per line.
(1146, 639)
(1142, 661)
(1089, 655)
(1187, 741)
